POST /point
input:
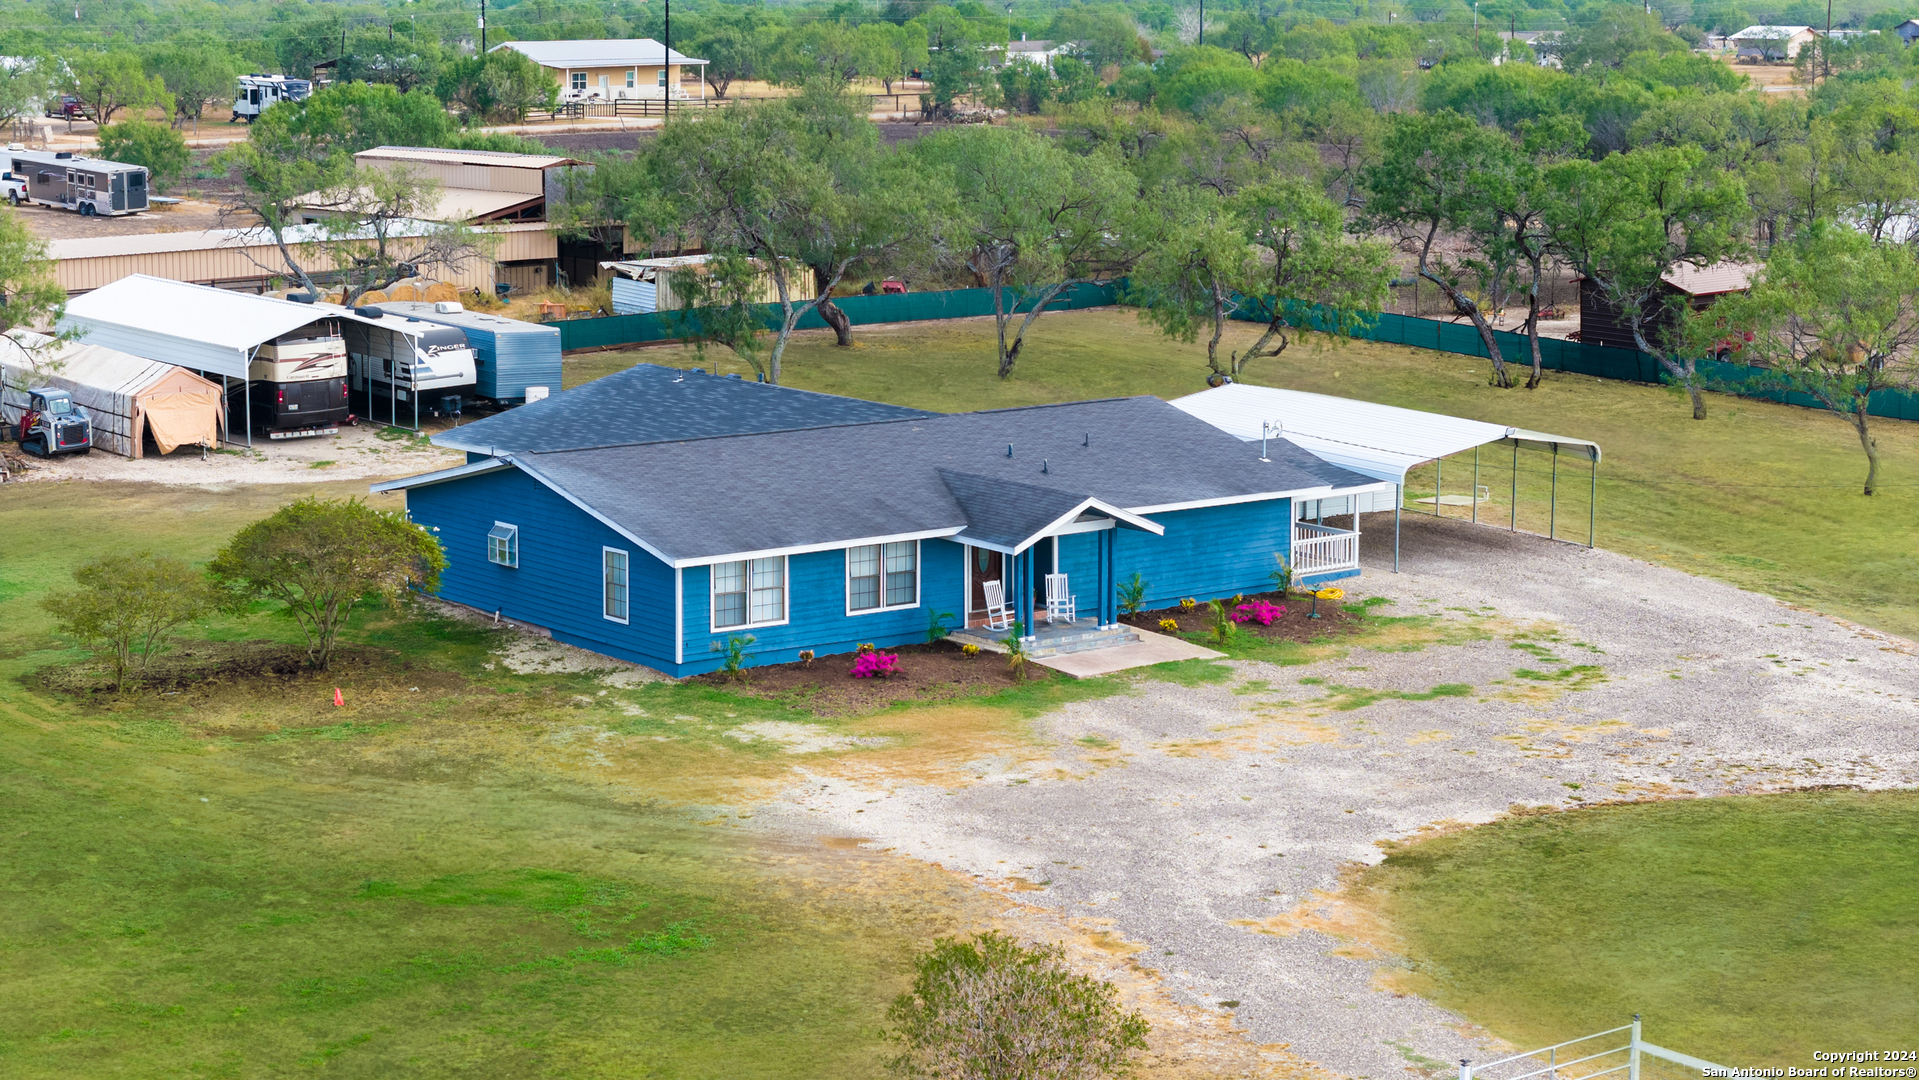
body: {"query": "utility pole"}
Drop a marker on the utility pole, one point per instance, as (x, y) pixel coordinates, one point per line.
(1202, 22)
(482, 29)
(1476, 47)
(1825, 47)
(666, 61)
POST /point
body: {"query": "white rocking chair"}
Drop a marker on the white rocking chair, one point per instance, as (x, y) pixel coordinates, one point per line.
(1061, 606)
(998, 615)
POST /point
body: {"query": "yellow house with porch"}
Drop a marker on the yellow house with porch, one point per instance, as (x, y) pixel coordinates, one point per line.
(614, 70)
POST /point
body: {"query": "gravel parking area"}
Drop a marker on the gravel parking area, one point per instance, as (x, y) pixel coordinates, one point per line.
(367, 451)
(1200, 823)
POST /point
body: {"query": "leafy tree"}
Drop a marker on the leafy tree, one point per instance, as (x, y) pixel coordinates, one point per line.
(352, 117)
(503, 85)
(126, 602)
(891, 52)
(1104, 37)
(1834, 316)
(1034, 218)
(735, 45)
(111, 81)
(30, 295)
(1628, 220)
(406, 64)
(1427, 192)
(141, 142)
(380, 230)
(321, 557)
(1614, 32)
(193, 75)
(720, 304)
(989, 1009)
(23, 86)
(1306, 261)
(1190, 278)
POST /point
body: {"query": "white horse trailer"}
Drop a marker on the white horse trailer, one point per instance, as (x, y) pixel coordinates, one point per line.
(70, 181)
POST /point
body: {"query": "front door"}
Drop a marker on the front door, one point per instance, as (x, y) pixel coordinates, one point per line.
(983, 566)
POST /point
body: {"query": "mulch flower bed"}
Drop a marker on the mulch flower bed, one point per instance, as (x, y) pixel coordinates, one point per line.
(1295, 625)
(825, 686)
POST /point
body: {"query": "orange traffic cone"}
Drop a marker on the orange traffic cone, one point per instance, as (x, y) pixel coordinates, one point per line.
(337, 699)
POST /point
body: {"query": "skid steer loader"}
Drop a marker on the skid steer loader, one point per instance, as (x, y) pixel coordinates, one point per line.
(54, 424)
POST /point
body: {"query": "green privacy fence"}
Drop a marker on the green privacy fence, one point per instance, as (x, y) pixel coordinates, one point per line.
(1627, 364)
(618, 330)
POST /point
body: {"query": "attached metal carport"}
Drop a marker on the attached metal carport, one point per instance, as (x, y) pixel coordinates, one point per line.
(1386, 441)
(192, 326)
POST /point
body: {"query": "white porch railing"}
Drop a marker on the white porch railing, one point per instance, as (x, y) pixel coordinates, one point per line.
(1318, 549)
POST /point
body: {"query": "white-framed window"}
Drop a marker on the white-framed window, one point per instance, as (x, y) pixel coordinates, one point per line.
(632, 78)
(882, 577)
(751, 592)
(662, 77)
(579, 81)
(613, 577)
(503, 544)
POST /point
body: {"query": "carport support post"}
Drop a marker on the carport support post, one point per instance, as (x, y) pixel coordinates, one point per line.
(1552, 505)
(1439, 482)
(1592, 503)
(1475, 485)
(1515, 527)
(1399, 496)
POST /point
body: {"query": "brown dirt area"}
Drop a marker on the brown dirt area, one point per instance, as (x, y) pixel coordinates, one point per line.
(1296, 625)
(936, 672)
(190, 215)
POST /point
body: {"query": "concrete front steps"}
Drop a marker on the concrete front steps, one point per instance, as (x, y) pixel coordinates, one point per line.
(1082, 636)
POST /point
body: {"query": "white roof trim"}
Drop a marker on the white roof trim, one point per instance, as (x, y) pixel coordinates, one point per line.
(1053, 526)
(1229, 500)
(829, 545)
(471, 468)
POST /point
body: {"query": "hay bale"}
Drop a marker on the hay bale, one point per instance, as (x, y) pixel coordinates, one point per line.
(439, 291)
(403, 292)
(374, 297)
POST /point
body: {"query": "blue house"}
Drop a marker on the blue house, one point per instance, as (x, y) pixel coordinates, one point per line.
(823, 537)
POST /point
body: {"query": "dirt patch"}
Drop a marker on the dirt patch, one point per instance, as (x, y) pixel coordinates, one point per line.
(936, 672)
(203, 665)
(1298, 624)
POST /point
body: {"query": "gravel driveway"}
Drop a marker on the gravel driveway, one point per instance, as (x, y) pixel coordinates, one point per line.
(1190, 817)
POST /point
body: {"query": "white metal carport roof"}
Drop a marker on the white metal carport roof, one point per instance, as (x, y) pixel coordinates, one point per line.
(1377, 440)
(197, 327)
(1382, 441)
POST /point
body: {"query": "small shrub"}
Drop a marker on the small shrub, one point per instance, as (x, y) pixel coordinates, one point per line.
(1171, 626)
(864, 647)
(1259, 611)
(1188, 604)
(1238, 599)
(1283, 577)
(1016, 651)
(875, 665)
(806, 657)
(988, 1009)
(1219, 622)
(969, 650)
(129, 602)
(936, 628)
(1132, 594)
(736, 656)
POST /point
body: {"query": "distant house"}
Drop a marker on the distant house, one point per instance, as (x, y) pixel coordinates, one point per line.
(1602, 323)
(1908, 31)
(1772, 42)
(624, 69)
(1040, 53)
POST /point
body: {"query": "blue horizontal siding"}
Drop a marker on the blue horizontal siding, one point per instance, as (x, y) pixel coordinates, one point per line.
(1208, 552)
(1079, 561)
(816, 604)
(558, 582)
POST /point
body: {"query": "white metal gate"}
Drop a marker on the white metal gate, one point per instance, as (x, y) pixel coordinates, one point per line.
(1618, 1052)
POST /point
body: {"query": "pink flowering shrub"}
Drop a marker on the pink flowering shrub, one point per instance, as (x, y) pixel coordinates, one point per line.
(1259, 611)
(874, 665)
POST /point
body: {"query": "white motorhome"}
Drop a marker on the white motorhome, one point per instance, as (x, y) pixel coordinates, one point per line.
(405, 367)
(255, 94)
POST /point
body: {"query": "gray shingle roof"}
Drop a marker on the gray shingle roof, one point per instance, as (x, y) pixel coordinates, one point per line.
(649, 403)
(700, 499)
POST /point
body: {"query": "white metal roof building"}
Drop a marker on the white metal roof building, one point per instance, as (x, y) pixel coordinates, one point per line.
(193, 326)
(613, 52)
(1381, 441)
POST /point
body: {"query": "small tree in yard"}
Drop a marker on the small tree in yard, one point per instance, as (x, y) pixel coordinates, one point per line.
(1305, 258)
(30, 296)
(1836, 317)
(126, 603)
(321, 557)
(988, 1009)
(142, 142)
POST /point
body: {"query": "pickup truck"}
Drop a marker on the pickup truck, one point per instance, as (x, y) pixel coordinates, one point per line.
(13, 187)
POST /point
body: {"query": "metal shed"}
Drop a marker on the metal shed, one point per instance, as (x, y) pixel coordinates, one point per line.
(509, 355)
(128, 397)
(1382, 441)
(196, 327)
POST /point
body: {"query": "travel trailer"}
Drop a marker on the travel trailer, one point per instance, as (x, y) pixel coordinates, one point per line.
(257, 93)
(69, 181)
(404, 368)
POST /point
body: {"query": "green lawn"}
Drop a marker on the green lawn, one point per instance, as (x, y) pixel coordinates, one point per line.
(1765, 496)
(240, 880)
(1749, 931)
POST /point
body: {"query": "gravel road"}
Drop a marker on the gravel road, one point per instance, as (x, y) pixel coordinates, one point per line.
(1196, 818)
